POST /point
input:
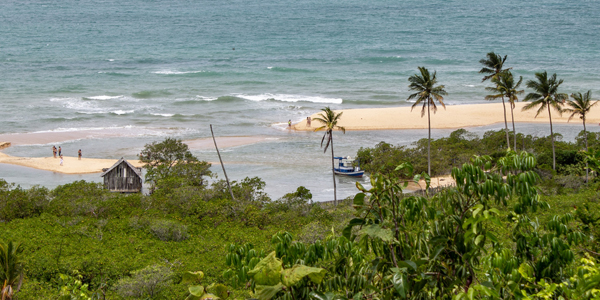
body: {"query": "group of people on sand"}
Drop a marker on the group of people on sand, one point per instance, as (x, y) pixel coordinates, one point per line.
(308, 121)
(59, 152)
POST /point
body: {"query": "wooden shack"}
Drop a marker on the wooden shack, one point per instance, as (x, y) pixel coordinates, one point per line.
(123, 177)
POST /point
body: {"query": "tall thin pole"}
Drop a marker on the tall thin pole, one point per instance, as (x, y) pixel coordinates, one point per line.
(333, 170)
(221, 161)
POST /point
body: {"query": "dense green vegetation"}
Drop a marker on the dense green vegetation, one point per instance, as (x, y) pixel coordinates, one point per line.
(461, 145)
(80, 229)
(494, 236)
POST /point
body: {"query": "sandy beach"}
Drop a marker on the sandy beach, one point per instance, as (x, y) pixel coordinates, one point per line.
(454, 116)
(71, 165)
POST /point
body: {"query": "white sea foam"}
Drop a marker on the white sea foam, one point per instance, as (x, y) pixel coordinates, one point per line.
(290, 98)
(170, 72)
(122, 112)
(62, 99)
(103, 97)
(206, 98)
(269, 68)
(111, 59)
(163, 115)
(73, 129)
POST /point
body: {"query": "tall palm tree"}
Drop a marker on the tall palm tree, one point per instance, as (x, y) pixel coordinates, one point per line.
(426, 91)
(493, 66)
(505, 86)
(545, 95)
(11, 270)
(329, 119)
(581, 106)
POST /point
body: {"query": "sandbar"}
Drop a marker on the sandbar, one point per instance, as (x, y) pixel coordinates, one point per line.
(71, 165)
(454, 116)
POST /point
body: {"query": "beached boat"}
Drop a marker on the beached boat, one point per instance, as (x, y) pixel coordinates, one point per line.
(345, 166)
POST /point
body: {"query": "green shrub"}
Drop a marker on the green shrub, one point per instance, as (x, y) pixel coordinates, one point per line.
(313, 232)
(147, 283)
(77, 198)
(17, 203)
(167, 230)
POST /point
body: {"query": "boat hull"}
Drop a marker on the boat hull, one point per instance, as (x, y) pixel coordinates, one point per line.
(357, 174)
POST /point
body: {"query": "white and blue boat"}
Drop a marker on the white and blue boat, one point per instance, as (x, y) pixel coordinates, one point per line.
(345, 166)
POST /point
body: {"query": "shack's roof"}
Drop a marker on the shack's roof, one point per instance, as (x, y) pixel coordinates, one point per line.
(122, 160)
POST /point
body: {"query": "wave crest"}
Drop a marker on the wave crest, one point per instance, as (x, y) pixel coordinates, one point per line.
(290, 98)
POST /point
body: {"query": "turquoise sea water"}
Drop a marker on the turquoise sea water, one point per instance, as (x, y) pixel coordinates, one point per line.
(169, 68)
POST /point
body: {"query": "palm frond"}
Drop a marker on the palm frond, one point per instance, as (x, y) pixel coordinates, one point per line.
(424, 84)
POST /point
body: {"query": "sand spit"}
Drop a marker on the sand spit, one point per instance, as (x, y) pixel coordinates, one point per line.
(71, 165)
(454, 116)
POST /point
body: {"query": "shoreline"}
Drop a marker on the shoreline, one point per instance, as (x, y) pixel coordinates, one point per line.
(71, 165)
(453, 117)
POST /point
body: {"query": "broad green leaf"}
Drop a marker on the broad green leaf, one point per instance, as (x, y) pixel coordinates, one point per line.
(289, 277)
(192, 277)
(492, 237)
(407, 264)
(400, 283)
(471, 294)
(359, 199)
(218, 289)
(478, 239)
(267, 292)
(437, 252)
(268, 271)
(360, 187)
(196, 290)
(375, 231)
(526, 271)
(328, 296)
(348, 229)
(405, 166)
(209, 297)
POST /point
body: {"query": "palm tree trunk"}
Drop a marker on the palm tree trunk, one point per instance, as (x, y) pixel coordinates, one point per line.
(512, 117)
(552, 135)
(586, 149)
(429, 139)
(332, 170)
(505, 124)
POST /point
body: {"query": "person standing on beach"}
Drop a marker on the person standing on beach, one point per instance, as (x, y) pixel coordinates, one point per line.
(61, 159)
(59, 151)
(79, 154)
(308, 121)
(290, 123)
(54, 151)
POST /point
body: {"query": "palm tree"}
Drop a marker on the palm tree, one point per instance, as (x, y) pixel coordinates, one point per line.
(506, 87)
(493, 67)
(426, 92)
(581, 105)
(329, 119)
(545, 95)
(11, 270)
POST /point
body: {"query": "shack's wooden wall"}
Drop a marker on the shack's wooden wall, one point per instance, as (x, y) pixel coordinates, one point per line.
(116, 182)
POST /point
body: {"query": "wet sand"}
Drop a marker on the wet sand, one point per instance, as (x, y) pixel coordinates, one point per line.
(71, 165)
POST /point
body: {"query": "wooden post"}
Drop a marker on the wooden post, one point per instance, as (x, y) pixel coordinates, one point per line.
(221, 161)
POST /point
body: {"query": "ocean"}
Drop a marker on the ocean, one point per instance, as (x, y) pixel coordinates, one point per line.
(110, 76)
